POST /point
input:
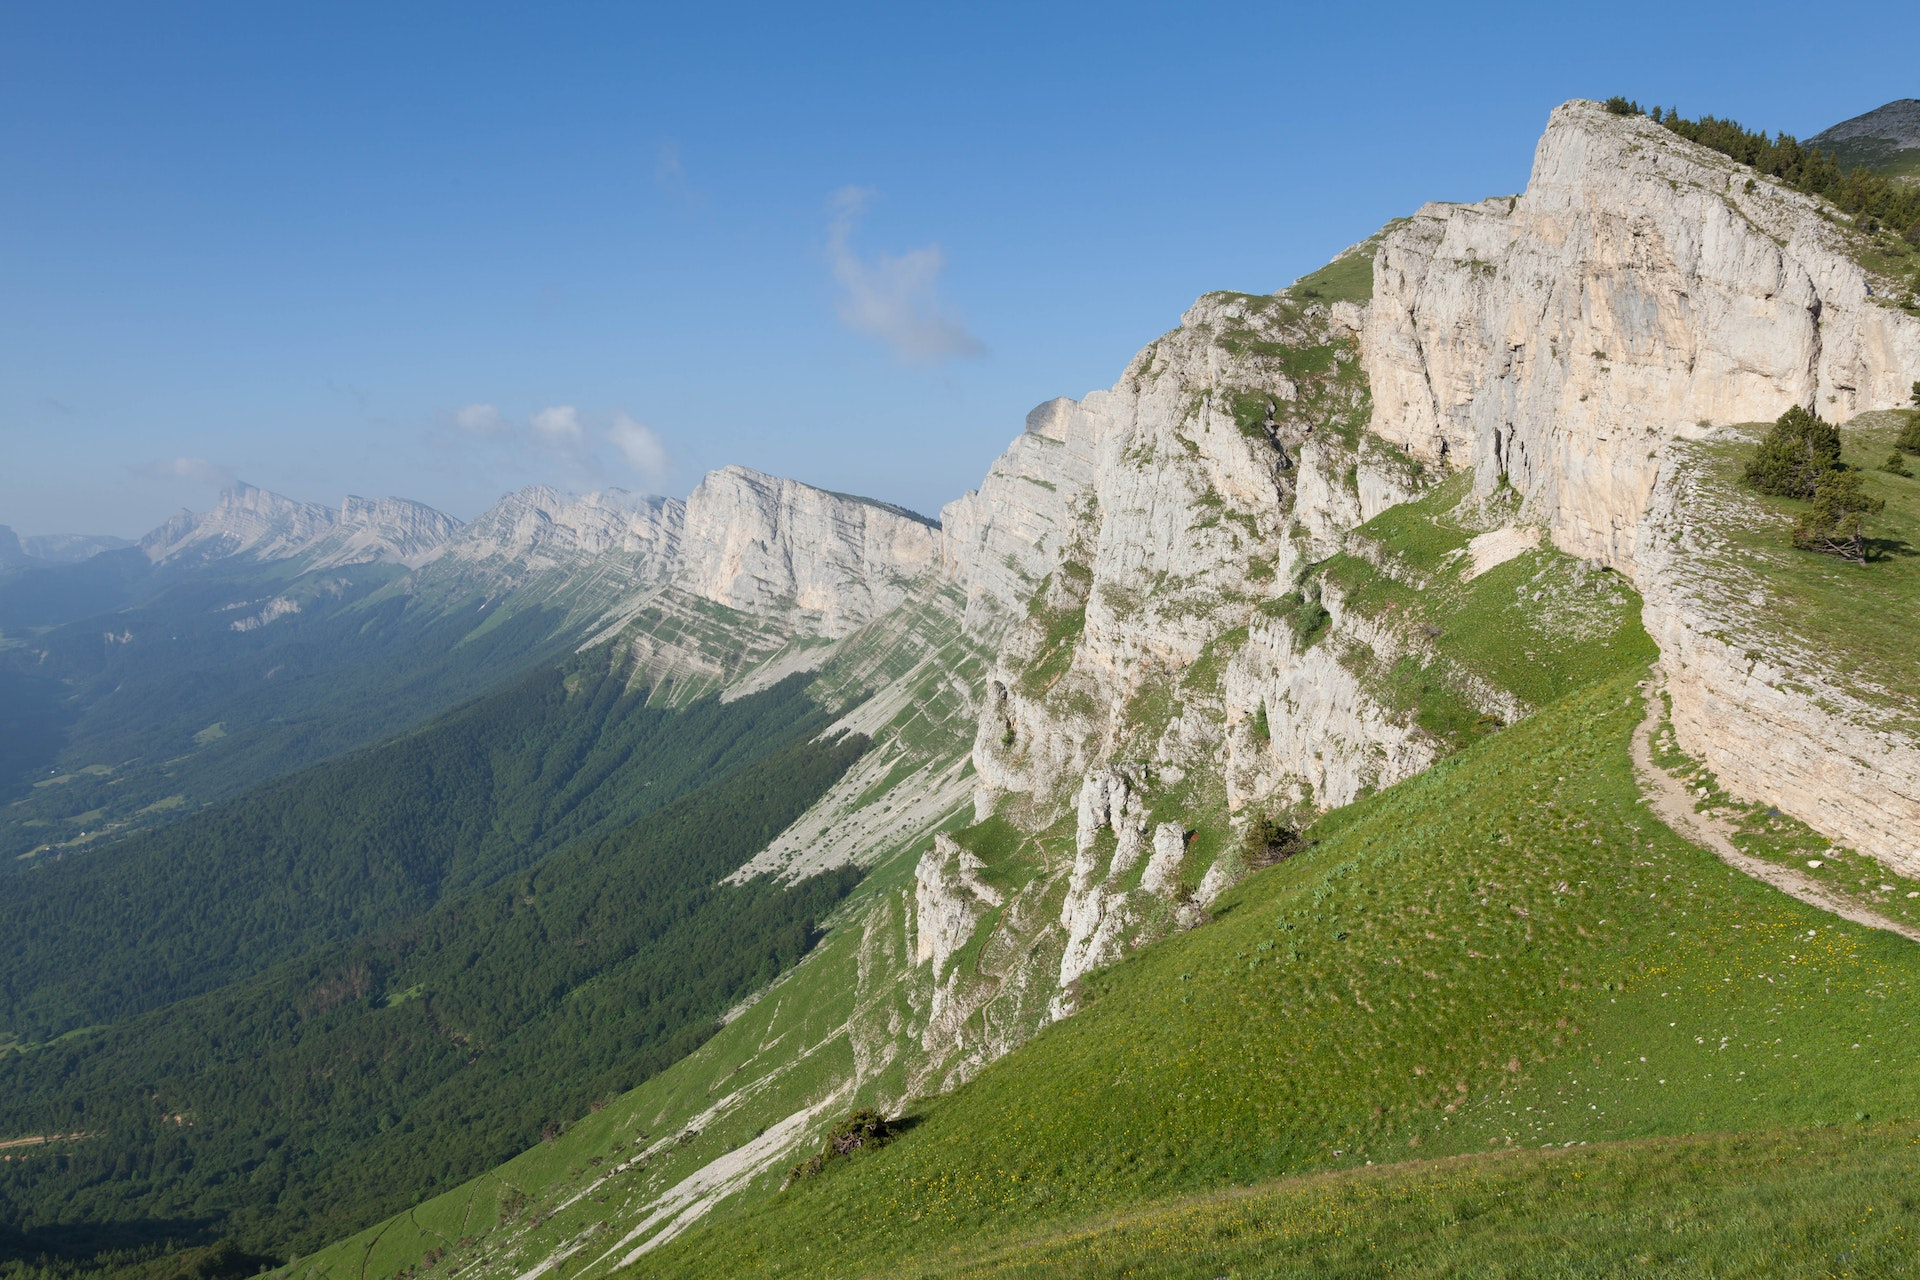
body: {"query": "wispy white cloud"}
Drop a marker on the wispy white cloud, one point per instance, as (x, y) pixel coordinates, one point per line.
(558, 441)
(193, 470)
(641, 448)
(893, 297)
(482, 420)
(558, 428)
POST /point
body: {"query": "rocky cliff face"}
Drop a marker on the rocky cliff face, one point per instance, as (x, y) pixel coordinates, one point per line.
(1229, 455)
(1639, 286)
(539, 527)
(753, 543)
(1002, 539)
(758, 543)
(1570, 340)
(1766, 710)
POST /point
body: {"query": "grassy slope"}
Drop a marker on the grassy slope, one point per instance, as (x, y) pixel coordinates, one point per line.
(1825, 1202)
(1505, 951)
(1538, 626)
(1646, 991)
(846, 1004)
(1857, 619)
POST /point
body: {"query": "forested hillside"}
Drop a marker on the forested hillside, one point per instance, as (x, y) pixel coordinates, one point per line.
(364, 843)
(146, 713)
(301, 1104)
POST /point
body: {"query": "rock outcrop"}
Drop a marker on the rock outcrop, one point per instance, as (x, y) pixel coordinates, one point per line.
(1002, 539)
(1568, 340)
(1768, 715)
(758, 543)
(1159, 515)
(539, 527)
(1641, 284)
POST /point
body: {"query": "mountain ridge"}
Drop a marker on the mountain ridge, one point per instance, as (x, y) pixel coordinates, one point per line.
(1309, 546)
(1886, 138)
(1381, 558)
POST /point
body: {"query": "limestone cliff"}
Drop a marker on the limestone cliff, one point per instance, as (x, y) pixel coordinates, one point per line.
(1639, 286)
(1570, 340)
(1764, 708)
(755, 542)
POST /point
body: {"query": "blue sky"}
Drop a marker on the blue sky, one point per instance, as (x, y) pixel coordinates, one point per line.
(442, 251)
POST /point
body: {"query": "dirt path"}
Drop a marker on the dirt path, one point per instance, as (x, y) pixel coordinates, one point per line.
(44, 1139)
(1673, 805)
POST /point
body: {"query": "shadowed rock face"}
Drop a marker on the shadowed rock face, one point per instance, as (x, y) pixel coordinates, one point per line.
(1638, 287)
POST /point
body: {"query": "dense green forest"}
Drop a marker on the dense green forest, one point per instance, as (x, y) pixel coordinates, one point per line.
(165, 705)
(342, 1087)
(364, 843)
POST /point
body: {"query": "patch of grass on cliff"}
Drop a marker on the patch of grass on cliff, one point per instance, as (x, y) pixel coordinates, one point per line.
(1538, 626)
(1506, 951)
(1792, 1202)
(1061, 623)
(1856, 620)
(1345, 279)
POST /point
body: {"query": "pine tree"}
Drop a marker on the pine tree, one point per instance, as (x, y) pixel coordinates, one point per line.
(1798, 452)
(1837, 523)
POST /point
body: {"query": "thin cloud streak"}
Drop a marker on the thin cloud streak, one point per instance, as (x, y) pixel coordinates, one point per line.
(893, 298)
(641, 447)
(557, 436)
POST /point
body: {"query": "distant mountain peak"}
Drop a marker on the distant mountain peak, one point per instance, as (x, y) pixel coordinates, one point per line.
(1898, 122)
(258, 524)
(1886, 139)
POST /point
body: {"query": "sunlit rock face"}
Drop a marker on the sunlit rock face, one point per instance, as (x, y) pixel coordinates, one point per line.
(1640, 285)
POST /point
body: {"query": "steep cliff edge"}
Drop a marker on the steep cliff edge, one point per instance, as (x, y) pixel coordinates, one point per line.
(1639, 286)
(1573, 342)
(759, 543)
(1791, 675)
